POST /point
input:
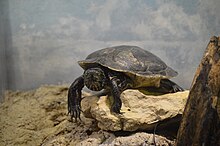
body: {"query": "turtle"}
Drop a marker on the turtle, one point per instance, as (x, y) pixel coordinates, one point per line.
(115, 69)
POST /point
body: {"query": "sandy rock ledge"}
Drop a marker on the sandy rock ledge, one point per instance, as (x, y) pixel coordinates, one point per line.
(39, 117)
(139, 111)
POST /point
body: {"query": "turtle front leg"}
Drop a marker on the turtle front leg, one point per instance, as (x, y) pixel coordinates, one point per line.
(115, 90)
(74, 98)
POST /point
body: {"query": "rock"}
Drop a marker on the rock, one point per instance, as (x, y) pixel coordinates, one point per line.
(139, 139)
(39, 117)
(200, 123)
(139, 111)
(97, 138)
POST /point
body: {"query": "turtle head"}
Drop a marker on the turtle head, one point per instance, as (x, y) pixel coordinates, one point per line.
(94, 79)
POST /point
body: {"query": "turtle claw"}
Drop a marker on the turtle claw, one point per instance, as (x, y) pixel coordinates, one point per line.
(177, 88)
(116, 107)
(75, 112)
(116, 110)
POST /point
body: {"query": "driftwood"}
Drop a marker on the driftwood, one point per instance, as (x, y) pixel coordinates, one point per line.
(200, 123)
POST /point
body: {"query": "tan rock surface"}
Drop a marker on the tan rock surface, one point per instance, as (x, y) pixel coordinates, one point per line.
(39, 117)
(139, 111)
(139, 139)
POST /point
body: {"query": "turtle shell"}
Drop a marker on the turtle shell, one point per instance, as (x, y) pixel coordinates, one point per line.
(143, 67)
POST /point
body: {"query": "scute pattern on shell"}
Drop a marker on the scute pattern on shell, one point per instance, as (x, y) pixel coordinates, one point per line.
(134, 61)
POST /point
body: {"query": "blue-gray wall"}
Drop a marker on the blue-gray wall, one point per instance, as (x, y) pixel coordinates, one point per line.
(5, 45)
(42, 40)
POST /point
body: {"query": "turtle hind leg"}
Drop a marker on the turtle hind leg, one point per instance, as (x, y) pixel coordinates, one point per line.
(170, 86)
(166, 86)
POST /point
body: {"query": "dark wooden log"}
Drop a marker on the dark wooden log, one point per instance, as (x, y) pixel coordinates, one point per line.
(200, 125)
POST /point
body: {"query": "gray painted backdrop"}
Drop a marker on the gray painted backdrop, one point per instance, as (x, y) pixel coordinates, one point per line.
(44, 39)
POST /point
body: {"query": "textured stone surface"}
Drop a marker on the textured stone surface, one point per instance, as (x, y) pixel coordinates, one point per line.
(200, 123)
(39, 117)
(139, 139)
(139, 111)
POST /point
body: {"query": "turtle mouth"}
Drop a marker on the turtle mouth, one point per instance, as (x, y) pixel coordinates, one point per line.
(94, 86)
